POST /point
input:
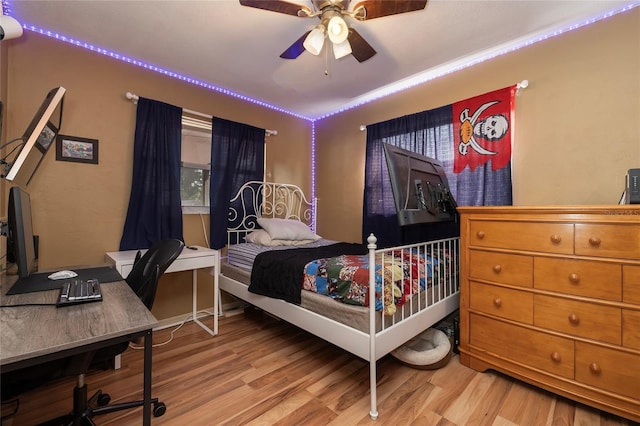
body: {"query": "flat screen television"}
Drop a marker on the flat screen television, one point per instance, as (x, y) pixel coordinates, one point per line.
(420, 187)
(37, 138)
(20, 242)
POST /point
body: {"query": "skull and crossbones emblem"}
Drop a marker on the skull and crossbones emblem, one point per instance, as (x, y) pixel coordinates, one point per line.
(492, 128)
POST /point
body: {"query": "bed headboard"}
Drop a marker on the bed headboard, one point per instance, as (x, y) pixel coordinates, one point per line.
(257, 199)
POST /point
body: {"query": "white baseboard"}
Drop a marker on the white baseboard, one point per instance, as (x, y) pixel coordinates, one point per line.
(228, 309)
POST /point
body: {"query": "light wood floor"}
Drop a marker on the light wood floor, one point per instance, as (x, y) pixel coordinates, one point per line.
(261, 371)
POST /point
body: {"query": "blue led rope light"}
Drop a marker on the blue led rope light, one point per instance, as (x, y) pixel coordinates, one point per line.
(6, 10)
(154, 68)
(393, 89)
(445, 71)
(313, 174)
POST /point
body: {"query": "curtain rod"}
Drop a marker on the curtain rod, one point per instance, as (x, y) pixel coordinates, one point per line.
(134, 98)
(522, 85)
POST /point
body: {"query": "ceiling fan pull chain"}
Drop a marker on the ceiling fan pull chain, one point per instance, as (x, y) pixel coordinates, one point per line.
(326, 59)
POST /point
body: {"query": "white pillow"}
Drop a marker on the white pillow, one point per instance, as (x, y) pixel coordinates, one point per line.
(262, 237)
(287, 229)
(259, 236)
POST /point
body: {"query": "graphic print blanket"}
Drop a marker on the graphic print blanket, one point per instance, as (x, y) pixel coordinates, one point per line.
(279, 273)
(346, 278)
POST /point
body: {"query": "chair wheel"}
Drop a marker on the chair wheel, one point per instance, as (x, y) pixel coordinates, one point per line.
(103, 399)
(159, 409)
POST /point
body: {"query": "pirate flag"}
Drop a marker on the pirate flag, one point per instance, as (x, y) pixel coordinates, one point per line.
(482, 130)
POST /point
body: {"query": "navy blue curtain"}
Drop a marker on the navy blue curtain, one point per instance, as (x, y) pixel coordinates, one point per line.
(428, 133)
(484, 186)
(237, 156)
(154, 211)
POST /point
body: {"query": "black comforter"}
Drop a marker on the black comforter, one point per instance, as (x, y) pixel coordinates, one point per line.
(279, 273)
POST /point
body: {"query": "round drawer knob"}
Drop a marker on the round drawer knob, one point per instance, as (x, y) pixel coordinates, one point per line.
(595, 368)
(480, 235)
(497, 269)
(574, 278)
(555, 357)
(574, 319)
(497, 302)
(595, 241)
(556, 239)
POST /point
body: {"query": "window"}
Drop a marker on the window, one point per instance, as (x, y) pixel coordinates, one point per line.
(194, 185)
(195, 166)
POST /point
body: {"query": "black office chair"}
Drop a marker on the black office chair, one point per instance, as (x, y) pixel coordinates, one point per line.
(162, 254)
(143, 280)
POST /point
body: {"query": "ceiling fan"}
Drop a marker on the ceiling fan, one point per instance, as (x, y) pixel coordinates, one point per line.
(344, 40)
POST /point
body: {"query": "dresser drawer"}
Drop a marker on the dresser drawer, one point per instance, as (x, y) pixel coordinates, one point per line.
(631, 284)
(619, 240)
(602, 323)
(608, 369)
(502, 268)
(545, 237)
(542, 351)
(502, 302)
(631, 329)
(599, 280)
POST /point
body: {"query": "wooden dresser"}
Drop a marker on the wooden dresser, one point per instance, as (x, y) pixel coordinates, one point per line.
(551, 296)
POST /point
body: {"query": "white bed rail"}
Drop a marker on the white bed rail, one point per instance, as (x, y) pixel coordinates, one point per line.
(385, 333)
(423, 307)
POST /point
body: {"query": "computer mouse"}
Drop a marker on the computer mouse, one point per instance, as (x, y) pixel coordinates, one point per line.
(62, 275)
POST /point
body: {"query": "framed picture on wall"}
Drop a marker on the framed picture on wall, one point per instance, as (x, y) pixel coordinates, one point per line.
(79, 150)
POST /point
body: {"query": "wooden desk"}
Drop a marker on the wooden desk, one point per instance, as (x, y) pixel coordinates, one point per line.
(189, 260)
(32, 335)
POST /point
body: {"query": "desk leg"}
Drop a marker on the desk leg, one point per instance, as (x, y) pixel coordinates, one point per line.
(194, 312)
(217, 300)
(146, 409)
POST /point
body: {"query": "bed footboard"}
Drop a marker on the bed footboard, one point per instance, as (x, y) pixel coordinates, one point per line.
(428, 276)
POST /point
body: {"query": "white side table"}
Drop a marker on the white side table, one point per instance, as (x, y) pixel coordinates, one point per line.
(191, 259)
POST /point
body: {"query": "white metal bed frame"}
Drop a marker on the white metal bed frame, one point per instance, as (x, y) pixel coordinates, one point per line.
(287, 201)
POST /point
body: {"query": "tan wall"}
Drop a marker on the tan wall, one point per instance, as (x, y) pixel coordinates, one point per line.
(577, 125)
(79, 209)
(577, 133)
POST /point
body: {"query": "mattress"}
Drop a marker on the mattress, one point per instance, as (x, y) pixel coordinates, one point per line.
(356, 317)
(242, 255)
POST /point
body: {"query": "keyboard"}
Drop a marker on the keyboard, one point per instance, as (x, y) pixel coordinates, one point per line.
(79, 291)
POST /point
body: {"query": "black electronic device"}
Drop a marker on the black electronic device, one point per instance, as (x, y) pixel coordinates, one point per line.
(420, 187)
(79, 291)
(20, 240)
(37, 139)
(632, 190)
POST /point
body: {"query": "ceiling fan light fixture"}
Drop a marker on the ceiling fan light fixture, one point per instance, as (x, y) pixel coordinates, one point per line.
(340, 50)
(9, 27)
(315, 40)
(337, 29)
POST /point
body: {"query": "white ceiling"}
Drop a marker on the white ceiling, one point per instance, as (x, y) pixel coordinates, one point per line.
(237, 48)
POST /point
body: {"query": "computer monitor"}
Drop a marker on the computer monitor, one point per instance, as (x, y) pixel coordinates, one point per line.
(20, 242)
(420, 187)
(37, 139)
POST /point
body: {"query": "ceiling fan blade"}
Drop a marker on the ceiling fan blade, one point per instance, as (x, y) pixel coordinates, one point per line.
(277, 6)
(360, 49)
(379, 8)
(296, 48)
